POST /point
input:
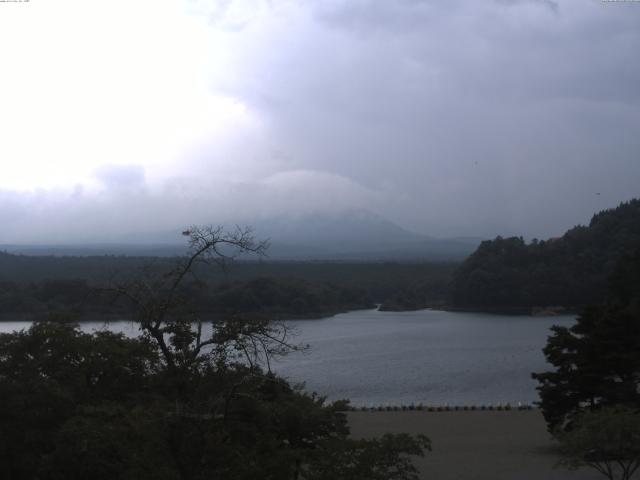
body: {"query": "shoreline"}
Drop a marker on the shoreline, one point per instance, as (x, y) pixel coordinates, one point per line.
(112, 317)
(506, 311)
(444, 408)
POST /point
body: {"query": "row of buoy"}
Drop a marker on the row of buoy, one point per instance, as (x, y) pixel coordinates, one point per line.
(442, 408)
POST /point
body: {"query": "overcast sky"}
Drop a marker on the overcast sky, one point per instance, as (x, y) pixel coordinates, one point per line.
(448, 117)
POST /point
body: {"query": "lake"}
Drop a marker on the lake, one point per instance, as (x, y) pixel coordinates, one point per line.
(428, 356)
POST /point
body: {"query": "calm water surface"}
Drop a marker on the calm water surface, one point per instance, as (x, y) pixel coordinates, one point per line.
(427, 356)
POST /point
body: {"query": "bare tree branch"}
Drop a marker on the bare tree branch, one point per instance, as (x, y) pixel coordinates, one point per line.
(163, 310)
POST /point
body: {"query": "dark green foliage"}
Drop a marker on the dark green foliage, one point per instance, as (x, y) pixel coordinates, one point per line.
(284, 290)
(607, 440)
(266, 296)
(100, 406)
(278, 297)
(368, 459)
(52, 370)
(381, 279)
(570, 271)
(597, 361)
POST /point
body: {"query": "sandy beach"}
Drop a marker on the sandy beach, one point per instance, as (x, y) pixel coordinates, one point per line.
(475, 445)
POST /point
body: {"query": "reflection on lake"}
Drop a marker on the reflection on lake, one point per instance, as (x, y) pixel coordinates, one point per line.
(427, 356)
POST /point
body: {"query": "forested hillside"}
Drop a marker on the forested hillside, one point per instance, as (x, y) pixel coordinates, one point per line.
(35, 287)
(569, 271)
(270, 297)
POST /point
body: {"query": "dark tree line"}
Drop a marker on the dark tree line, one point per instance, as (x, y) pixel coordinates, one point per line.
(569, 271)
(33, 287)
(273, 297)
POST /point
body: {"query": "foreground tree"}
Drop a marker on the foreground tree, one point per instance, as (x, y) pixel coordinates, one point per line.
(161, 301)
(188, 399)
(607, 440)
(597, 361)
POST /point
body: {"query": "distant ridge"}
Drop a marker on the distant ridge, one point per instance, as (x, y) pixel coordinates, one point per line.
(353, 235)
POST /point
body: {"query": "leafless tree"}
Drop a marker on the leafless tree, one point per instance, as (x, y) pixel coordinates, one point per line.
(166, 315)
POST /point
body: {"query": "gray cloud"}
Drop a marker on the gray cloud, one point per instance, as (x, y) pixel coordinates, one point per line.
(454, 117)
(121, 214)
(121, 176)
(551, 4)
(491, 118)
